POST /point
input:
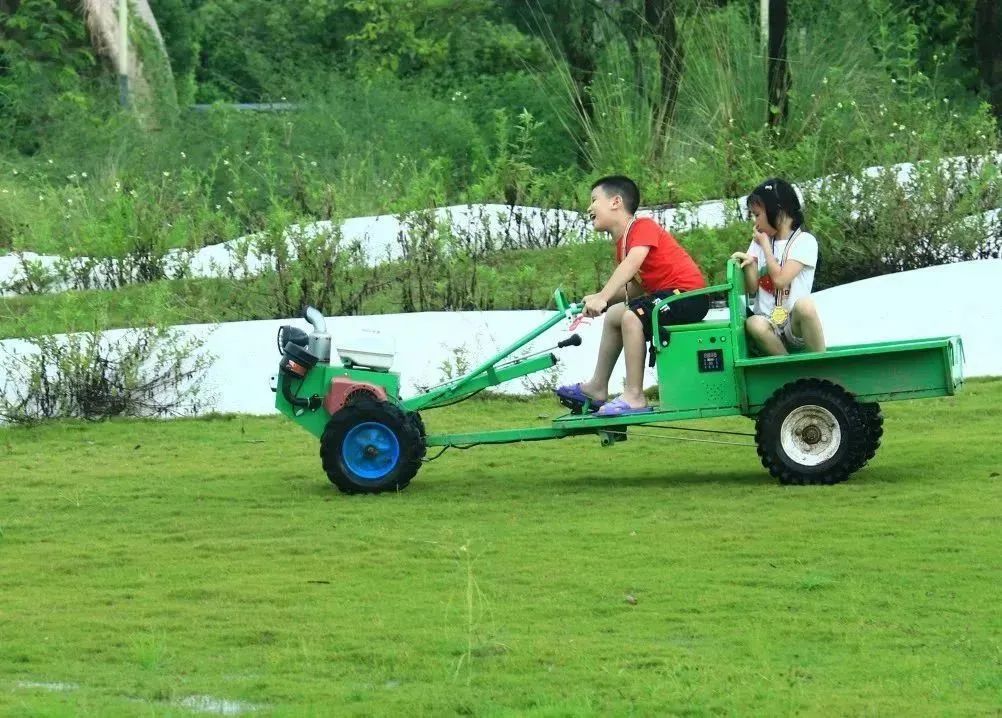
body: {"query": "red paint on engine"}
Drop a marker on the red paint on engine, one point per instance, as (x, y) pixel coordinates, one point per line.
(344, 390)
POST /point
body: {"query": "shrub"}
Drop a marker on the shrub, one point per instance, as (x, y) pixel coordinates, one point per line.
(142, 372)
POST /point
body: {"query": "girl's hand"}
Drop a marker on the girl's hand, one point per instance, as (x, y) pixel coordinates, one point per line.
(745, 258)
(763, 239)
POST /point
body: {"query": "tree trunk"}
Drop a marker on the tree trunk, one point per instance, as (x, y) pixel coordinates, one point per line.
(988, 47)
(660, 18)
(778, 70)
(102, 19)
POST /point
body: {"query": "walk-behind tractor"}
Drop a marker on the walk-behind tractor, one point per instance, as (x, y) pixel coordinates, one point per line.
(817, 419)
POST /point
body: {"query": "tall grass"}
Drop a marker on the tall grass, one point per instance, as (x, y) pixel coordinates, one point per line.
(857, 99)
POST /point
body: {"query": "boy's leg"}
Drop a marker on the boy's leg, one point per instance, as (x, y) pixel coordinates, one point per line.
(760, 330)
(608, 353)
(635, 350)
(806, 324)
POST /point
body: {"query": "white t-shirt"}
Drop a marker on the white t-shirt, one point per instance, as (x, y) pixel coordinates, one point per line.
(804, 249)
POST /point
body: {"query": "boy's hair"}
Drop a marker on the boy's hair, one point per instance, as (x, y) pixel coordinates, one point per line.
(624, 187)
(776, 195)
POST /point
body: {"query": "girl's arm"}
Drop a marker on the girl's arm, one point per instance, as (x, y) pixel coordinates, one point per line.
(782, 276)
(749, 265)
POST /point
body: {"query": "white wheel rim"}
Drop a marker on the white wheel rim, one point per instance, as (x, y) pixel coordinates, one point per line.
(810, 435)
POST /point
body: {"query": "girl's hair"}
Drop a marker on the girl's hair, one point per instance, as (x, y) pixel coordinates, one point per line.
(776, 195)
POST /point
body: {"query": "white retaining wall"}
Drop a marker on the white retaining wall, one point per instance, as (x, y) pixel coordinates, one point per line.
(963, 298)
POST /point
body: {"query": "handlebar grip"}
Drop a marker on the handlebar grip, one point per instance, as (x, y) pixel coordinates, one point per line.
(574, 340)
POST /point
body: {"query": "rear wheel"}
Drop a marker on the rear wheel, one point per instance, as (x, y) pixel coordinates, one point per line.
(813, 432)
(874, 420)
(372, 446)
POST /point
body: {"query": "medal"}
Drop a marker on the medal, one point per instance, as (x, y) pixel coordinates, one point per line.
(779, 314)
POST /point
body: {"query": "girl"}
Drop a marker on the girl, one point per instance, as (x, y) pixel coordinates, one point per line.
(779, 272)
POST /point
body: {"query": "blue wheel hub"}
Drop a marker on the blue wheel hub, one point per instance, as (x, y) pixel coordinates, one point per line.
(370, 450)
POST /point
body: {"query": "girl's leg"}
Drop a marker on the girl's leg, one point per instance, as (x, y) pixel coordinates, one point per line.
(807, 325)
(608, 353)
(760, 330)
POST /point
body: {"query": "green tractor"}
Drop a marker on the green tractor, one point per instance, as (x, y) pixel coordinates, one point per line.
(817, 416)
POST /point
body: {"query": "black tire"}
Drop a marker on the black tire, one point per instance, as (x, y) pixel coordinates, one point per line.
(384, 447)
(813, 432)
(874, 420)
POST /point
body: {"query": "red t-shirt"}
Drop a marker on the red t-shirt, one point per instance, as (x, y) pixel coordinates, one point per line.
(667, 265)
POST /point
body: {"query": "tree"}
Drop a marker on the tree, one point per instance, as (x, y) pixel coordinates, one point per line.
(777, 66)
(988, 47)
(659, 16)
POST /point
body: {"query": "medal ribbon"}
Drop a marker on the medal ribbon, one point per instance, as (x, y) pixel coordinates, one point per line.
(786, 253)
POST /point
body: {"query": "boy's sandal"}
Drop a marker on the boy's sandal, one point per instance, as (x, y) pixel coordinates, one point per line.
(572, 393)
(619, 407)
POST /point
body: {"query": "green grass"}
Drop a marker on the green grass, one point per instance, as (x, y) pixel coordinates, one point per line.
(148, 562)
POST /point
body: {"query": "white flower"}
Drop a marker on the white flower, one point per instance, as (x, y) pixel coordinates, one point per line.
(313, 163)
(218, 207)
(166, 174)
(226, 163)
(15, 172)
(184, 156)
(84, 175)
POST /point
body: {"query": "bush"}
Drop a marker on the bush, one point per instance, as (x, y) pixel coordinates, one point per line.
(879, 224)
(290, 266)
(144, 372)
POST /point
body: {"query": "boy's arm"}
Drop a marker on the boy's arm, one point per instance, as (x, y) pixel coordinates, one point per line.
(595, 304)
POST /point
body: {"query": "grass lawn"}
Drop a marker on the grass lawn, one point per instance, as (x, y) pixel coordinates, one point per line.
(162, 568)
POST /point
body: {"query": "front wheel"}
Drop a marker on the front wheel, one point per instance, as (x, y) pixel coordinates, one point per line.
(371, 446)
(813, 432)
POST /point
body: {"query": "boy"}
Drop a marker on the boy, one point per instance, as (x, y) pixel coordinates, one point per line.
(652, 265)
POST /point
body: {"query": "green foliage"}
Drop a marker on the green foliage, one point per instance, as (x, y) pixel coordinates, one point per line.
(876, 224)
(143, 372)
(315, 266)
(177, 24)
(47, 71)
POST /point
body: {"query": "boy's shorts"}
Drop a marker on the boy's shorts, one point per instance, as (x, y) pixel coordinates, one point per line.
(681, 311)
